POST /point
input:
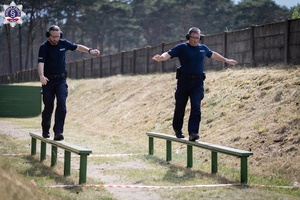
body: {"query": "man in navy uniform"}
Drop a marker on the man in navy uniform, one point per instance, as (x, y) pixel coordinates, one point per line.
(190, 77)
(52, 73)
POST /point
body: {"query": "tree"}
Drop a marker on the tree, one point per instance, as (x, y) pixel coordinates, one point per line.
(296, 14)
(9, 47)
(255, 12)
(110, 25)
(215, 16)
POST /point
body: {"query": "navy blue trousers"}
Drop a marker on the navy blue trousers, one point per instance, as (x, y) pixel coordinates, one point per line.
(54, 89)
(193, 89)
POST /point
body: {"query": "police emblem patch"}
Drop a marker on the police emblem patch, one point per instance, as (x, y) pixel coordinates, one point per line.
(12, 14)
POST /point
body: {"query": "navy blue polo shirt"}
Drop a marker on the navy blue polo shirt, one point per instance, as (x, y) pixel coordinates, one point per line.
(54, 56)
(191, 58)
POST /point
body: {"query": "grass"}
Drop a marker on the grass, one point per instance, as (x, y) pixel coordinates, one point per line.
(252, 109)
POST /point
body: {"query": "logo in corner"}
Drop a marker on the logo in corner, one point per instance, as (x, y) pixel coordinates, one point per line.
(12, 14)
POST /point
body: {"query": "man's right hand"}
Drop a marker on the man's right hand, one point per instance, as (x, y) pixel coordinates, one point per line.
(44, 80)
(158, 58)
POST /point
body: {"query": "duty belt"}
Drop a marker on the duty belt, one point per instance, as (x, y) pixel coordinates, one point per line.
(56, 76)
(193, 76)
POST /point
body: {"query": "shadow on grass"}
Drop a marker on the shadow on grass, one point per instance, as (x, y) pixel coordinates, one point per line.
(39, 169)
(179, 174)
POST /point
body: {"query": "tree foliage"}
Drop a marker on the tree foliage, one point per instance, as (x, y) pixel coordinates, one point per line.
(256, 12)
(121, 25)
(296, 12)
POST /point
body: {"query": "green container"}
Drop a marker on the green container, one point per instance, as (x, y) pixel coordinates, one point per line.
(20, 101)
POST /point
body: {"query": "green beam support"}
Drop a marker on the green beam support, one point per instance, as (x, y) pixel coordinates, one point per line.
(244, 170)
(189, 156)
(69, 148)
(43, 151)
(67, 163)
(215, 149)
(53, 155)
(151, 145)
(214, 162)
(169, 150)
(33, 146)
(83, 169)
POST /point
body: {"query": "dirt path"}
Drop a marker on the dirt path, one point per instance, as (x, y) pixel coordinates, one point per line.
(14, 130)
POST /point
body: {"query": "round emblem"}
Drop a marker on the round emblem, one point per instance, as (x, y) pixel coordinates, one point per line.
(12, 13)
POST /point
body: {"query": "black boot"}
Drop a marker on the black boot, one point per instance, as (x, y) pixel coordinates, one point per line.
(58, 136)
(179, 134)
(193, 137)
(46, 134)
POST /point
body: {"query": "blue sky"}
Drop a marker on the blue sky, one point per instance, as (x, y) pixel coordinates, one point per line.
(287, 3)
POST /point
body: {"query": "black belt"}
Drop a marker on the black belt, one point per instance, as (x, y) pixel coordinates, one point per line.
(193, 76)
(56, 76)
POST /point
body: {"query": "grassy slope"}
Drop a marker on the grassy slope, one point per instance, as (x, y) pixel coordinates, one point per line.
(256, 109)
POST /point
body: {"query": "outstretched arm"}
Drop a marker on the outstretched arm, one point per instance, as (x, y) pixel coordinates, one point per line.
(162, 57)
(85, 49)
(217, 56)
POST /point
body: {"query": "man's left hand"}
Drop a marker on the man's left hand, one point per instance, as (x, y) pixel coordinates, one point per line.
(95, 52)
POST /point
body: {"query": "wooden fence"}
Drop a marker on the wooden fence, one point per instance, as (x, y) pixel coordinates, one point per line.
(258, 45)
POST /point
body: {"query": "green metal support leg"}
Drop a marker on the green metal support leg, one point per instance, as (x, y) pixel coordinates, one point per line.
(67, 163)
(214, 162)
(189, 156)
(53, 155)
(43, 151)
(33, 146)
(151, 146)
(244, 170)
(83, 169)
(169, 150)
